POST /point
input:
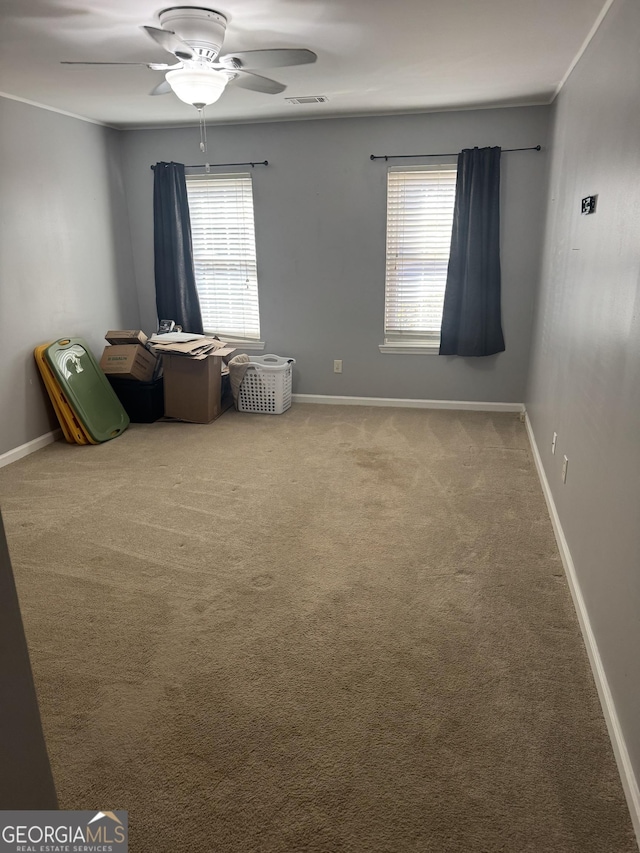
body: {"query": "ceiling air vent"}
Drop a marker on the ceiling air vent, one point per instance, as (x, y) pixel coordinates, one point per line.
(308, 99)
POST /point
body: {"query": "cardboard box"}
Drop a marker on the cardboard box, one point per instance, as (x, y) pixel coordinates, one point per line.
(193, 346)
(130, 362)
(126, 336)
(194, 389)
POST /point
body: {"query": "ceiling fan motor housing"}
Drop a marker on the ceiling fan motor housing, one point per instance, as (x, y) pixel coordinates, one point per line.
(201, 29)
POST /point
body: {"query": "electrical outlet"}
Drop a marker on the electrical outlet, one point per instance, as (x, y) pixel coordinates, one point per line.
(553, 442)
(337, 365)
(565, 465)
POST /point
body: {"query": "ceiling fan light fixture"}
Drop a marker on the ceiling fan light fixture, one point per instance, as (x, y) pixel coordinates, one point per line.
(197, 86)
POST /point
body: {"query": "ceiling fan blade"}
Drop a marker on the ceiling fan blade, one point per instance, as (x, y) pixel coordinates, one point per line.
(171, 42)
(247, 80)
(277, 58)
(161, 89)
(146, 64)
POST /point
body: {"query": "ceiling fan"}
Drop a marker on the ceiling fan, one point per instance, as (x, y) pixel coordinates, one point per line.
(199, 77)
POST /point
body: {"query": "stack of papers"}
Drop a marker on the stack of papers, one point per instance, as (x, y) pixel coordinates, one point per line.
(192, 346)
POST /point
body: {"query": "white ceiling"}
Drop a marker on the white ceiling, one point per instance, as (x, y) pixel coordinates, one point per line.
(373, 56)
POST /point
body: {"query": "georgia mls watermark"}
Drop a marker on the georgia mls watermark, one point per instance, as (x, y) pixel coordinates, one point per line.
(63, 832)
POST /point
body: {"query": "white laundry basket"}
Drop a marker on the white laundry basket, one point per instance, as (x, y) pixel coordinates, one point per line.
(266, 386)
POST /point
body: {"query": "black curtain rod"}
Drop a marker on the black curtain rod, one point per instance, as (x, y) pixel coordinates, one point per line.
(403, 156)
(216, 165)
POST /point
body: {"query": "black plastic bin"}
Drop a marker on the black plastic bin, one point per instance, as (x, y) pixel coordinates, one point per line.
(142, 401)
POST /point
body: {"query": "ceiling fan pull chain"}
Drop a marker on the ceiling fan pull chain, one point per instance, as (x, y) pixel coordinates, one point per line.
(203, 130)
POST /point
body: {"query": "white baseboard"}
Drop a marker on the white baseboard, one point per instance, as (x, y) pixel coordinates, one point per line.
(629, 781)
(30, 447)
(398, 402)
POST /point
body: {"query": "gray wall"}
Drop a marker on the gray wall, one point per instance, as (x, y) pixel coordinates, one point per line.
(25, 774)
(65, 251)
(585, 374)
(320, 231)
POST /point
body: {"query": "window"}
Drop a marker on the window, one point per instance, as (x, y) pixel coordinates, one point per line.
(419, 221)
(224, 254)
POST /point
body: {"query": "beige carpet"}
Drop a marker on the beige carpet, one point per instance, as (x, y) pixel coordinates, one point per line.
(339, 629)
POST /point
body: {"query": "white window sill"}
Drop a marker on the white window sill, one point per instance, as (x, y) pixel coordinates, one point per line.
(399, 348)
(254, 346)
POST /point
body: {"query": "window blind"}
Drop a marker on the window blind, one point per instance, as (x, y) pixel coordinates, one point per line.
(224, 253)
(419, 222)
